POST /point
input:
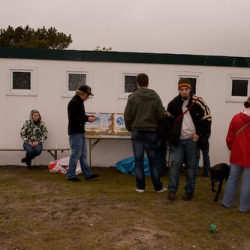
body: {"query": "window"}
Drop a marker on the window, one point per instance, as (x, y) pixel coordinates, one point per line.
(74, 78)
(130, 84)
(22, 80)
(128, 81)
(75, 81)
(194, 78)
(238, 88)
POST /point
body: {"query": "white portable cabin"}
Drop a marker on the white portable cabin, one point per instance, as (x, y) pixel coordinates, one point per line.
(46, 80)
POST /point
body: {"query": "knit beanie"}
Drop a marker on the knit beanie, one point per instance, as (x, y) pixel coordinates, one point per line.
(183, 82)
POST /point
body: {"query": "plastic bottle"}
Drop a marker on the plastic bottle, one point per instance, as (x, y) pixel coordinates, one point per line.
(212, 228)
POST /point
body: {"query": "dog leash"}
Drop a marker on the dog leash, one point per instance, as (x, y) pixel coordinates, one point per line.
(179, 117)
(241, 129)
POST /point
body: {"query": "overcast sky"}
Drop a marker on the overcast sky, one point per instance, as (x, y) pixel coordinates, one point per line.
(201, 27)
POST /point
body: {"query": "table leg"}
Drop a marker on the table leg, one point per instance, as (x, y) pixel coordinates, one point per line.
(90, 163)
(54, 155)
(91, 146)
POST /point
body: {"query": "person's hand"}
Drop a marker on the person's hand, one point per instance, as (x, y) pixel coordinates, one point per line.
(195, 137)
(33, 144)
(91, 118)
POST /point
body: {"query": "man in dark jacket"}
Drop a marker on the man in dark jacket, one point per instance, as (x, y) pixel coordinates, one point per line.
(184, 131)
(76, 131)
(144, 108)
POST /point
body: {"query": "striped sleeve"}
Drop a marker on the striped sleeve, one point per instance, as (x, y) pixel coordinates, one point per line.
(204, 107)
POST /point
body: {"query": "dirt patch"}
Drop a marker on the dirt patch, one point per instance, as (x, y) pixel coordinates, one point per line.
(40, 210)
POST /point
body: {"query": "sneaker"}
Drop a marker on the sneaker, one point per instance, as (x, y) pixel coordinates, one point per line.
(224, 206)
(171, 195)
(93, 176)
(74, 179)
(139, 190)
(187, 196)
(206, 175)
(243, 211)
(162, 190)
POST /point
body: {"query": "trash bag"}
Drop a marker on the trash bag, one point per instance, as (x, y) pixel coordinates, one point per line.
(127, 166)
(61, 166)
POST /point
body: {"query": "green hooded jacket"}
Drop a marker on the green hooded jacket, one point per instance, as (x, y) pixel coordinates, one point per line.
(143, 110)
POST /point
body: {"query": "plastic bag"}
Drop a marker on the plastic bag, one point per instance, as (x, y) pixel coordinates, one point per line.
(61, 166)
(127, 166)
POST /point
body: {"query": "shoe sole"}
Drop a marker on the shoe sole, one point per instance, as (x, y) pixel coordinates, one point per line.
(91, 178)
(225, 206)
(162, 191)
(171, 198)
(187, 198)
(74, 180)
(139, 190)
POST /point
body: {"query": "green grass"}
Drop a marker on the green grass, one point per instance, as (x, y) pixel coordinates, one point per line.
(41, 210)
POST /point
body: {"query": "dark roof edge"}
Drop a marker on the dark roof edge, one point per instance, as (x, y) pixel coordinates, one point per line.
(124, 57)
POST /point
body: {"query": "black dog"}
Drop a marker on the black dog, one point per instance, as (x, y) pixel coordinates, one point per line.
(218, 173)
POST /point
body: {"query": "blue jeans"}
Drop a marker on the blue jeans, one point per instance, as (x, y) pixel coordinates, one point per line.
(206, 161)
(231, 187)
(32, 152)
(161, 152)
(206, 158)
(78, 152)
(145, 141)
(187, 150)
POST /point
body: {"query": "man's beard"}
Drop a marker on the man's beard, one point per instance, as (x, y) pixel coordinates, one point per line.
(184, 98)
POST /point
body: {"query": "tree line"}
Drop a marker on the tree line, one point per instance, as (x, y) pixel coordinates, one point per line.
(27, 37)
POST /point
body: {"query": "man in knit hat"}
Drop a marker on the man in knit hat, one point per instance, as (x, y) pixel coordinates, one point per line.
(188, 119)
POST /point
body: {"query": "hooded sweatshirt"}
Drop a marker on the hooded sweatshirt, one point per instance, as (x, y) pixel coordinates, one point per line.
(239, 144)
(143, 110)
(34, 131)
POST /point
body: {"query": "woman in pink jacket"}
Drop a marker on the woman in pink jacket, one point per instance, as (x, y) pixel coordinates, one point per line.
(238, 142)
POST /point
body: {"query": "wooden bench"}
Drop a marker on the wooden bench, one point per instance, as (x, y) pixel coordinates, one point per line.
(51, 151)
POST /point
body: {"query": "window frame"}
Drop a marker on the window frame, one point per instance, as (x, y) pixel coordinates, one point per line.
(127, 72)
(74, 70)
(33, 80)
(237, 99)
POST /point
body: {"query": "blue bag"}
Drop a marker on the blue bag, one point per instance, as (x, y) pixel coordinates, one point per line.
(127, 166)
